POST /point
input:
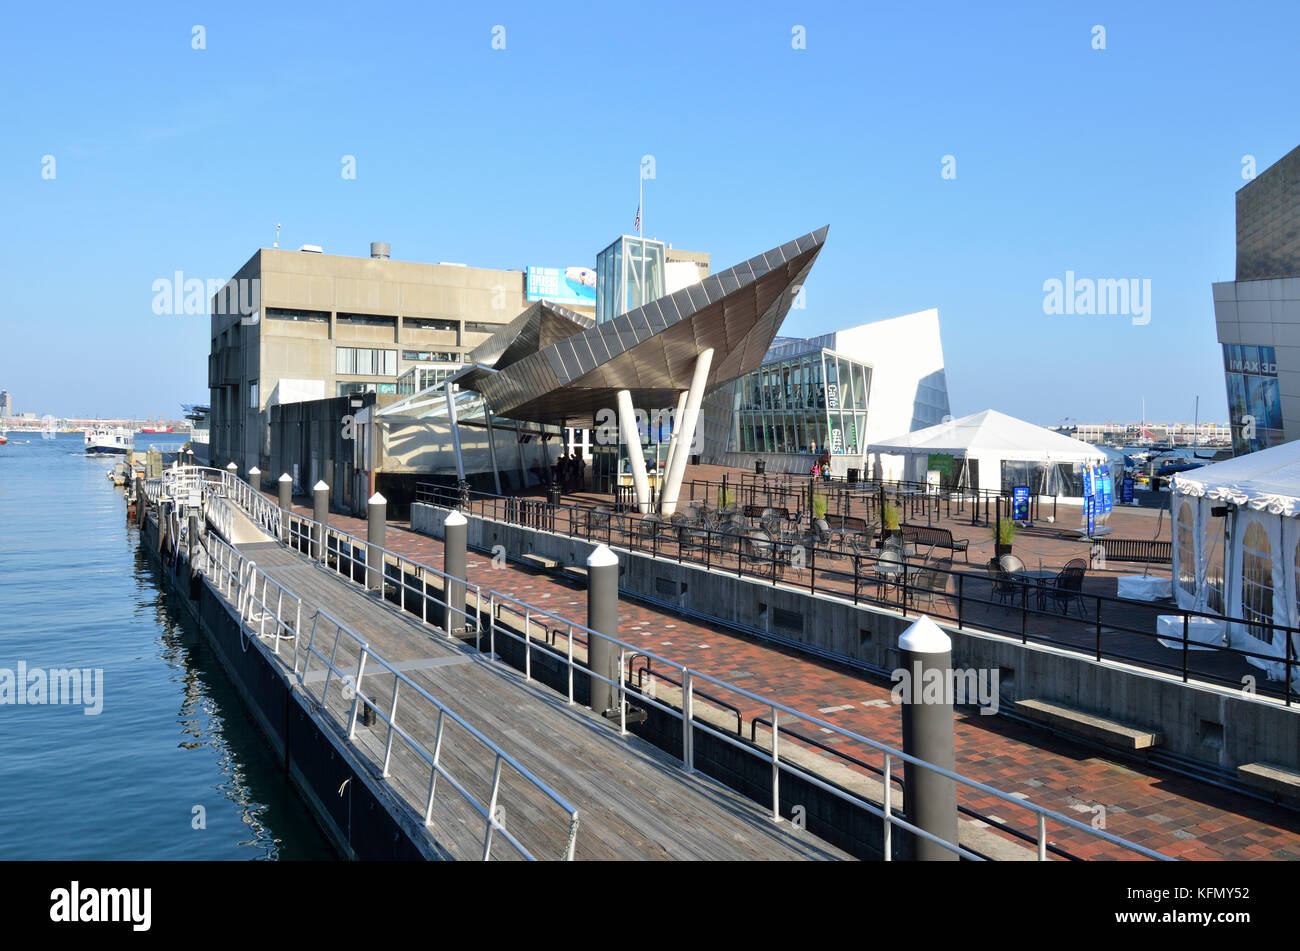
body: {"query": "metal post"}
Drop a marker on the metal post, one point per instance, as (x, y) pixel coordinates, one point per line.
(320, 511)
(602, 618)
(376, 539)
(286, 507)
(685, 435)
(929, 799)
(455, 533)
(631, 433)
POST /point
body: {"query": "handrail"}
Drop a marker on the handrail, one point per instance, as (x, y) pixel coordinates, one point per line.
(260, 602)
(829, 575)
(690, 725)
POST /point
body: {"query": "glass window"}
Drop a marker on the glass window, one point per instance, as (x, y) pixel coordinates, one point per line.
(368, 320)
(1257, 580)
(252, 395)
(1214, 565)
(363, 361)
(429, 323)
(286, 313)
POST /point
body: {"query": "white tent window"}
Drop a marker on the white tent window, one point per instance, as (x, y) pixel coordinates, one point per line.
(1257, 580)
(1187, 548)
(1214, 565)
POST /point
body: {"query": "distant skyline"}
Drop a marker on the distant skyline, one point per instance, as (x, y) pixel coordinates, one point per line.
(965, 159)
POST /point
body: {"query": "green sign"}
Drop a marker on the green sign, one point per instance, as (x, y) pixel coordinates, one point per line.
(940, 462)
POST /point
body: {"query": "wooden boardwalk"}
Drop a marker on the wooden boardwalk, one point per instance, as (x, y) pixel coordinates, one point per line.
(634, 800)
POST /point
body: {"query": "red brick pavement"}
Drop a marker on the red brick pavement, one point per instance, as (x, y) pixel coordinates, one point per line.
(1162, 810)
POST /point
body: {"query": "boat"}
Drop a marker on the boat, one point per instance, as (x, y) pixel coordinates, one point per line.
(3, 440)
(156, 429)
(105, 439)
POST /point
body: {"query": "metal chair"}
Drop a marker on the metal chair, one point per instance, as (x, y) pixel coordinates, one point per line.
(1004, 588)
(1068, 586)
(930, 581)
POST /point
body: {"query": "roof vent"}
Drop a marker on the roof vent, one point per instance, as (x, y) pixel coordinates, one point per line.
(313, 248)
(379, 250)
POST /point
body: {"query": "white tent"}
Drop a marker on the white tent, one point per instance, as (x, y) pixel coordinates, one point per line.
(1237, 547)
(991, 450)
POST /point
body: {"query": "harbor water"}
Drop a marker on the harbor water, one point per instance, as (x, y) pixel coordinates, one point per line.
(153, 757)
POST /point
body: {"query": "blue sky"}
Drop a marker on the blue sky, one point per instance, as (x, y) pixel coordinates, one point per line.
(1115, 163)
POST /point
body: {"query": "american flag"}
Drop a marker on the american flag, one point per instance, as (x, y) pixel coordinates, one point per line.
(637, 226)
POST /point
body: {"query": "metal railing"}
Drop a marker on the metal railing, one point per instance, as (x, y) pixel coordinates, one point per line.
(268, 610)
(1031, 609)
(306, 532)
(688, 678)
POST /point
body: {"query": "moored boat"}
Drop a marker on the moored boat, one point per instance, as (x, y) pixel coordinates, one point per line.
(113, 440)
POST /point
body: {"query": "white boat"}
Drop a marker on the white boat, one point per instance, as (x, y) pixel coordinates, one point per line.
(104, 439)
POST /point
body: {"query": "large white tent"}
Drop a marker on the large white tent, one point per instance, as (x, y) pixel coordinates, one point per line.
(1237, 547)
(994, 451)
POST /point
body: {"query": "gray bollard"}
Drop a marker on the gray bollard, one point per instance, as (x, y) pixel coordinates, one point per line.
(376, 535)
(286, 507)
(320, 511)
(232, 468)
(455, 535)
(929, 800)
(602, 617)
(255, 478)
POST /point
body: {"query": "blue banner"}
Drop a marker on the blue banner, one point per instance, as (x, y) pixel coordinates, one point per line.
(1020, 503)
(1106, 501)
(1126, 491)
(1088, 489)
(572, 286)
(1091, 503)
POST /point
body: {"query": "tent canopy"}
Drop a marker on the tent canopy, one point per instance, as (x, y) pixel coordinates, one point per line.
(994, 434)
(1267, 480)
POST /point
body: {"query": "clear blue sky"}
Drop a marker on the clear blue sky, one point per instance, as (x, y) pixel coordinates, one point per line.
(1120, 163)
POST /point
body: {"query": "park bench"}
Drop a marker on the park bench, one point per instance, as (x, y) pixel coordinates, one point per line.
(919, 535)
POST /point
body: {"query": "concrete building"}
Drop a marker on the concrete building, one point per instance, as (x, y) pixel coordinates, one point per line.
(6, 404)
(302, 325)
(1257, 315)
(831, 394)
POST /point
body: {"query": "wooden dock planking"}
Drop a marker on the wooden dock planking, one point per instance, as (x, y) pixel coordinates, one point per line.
(634, 801)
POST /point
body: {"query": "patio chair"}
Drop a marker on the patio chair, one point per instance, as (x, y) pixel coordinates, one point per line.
(1004, 587)
(930, 581)
(1068, 586)
(757, 552)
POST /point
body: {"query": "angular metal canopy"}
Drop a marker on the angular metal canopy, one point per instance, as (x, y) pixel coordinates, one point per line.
(573, 372)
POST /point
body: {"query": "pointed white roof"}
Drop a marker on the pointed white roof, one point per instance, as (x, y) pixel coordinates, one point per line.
(1266, 480)
(991, 433)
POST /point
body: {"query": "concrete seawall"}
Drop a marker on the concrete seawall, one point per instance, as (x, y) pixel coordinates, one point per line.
(1214, 726)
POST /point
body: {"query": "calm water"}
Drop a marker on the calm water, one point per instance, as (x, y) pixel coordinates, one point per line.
(76, 591)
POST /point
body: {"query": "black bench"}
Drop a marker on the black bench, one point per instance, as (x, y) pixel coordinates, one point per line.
(935, 537)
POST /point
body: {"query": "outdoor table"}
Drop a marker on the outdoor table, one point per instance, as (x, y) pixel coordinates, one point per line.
(1203, 633)
(1143, 588)
(1043, 579)
(887, 571)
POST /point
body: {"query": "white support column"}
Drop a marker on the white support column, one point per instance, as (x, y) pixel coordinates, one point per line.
(636, 460)
(686, 434)
(672, 440)
(455, 429)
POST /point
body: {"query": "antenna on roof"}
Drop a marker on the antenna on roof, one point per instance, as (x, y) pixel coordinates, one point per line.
(277, 235)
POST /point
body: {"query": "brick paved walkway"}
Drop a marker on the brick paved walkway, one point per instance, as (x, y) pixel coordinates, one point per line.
(1162, 810)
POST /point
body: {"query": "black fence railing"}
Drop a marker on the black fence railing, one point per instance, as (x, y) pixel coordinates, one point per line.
(1040, 607)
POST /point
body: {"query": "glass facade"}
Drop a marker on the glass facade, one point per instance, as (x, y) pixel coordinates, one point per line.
(1254, 401)
(363, 361)
(812, 403)
(620, 269)
(417, 379)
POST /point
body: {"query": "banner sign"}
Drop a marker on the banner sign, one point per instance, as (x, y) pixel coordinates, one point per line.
(1105, 501)
(1020, 503)
(940, 462)
(1126, 490)
(1091, 505)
